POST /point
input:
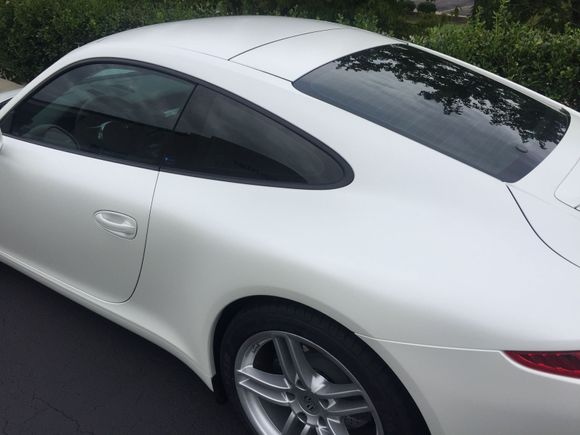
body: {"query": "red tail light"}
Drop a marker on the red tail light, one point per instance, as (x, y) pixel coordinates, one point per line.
(557, 363)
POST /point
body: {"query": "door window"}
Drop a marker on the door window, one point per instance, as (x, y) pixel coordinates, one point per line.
(120, 112)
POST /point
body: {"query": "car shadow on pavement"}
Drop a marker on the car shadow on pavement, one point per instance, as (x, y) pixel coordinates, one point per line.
(64, 369)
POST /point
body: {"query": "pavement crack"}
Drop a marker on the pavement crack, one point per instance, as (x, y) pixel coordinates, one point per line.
(64, 414)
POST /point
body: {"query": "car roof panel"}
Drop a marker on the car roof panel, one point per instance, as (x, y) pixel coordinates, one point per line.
(291, 58)
(222, 37)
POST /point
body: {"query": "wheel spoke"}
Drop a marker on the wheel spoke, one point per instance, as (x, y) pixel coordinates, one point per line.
(335, 391)
(336, 427)
(321, 430)
(267, 386)
(292, 425)
(343, 407)
(307, 430)
(268, 380)
(302, 367)
(284, 358)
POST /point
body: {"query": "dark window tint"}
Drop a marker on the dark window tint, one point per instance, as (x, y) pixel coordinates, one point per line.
(442, 105)
(3, 103)
(221, 137)
(115, 111)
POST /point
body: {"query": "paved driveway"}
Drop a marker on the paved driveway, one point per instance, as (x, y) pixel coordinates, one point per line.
(465, 6)
(444, 5)
(5, 85)
(66, 370)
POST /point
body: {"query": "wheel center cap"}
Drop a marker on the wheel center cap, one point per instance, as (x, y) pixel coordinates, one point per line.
(309, 403)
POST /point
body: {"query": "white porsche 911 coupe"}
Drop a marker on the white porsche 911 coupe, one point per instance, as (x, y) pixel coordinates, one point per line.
(339, 232)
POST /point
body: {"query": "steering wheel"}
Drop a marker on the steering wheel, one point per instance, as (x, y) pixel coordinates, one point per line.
(100, 114)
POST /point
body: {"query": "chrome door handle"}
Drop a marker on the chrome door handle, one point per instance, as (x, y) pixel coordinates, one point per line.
(118, 224)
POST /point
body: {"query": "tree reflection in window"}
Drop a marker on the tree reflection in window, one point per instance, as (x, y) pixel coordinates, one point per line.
(487, 125)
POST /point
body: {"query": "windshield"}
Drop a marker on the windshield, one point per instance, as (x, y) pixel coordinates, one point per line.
(442, 105)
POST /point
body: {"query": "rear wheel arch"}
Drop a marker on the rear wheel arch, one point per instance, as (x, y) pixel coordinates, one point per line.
(235, 307)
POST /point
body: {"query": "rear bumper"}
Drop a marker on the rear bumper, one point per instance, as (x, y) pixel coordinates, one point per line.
(478, 392)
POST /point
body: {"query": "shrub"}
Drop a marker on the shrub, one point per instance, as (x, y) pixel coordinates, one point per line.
(35, 33)
(427, 7)
(550, 14)
(546, 62)
(408, 6)
(367, 21)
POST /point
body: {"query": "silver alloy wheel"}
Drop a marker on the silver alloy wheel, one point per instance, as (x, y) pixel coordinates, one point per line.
(289, 385)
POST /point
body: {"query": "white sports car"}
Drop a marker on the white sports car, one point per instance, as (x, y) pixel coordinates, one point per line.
(339, 232)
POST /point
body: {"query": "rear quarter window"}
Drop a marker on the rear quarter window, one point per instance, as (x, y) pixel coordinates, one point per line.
(442, 105)
(220, 137)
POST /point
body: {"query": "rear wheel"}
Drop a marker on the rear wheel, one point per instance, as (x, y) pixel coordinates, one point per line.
(292, 371)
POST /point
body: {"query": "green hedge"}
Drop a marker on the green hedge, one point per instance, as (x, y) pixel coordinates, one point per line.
(546, 62)
(427, 7)
(550, 14)
(35, 33)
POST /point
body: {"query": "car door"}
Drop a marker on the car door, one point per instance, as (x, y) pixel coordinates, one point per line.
(78, 171)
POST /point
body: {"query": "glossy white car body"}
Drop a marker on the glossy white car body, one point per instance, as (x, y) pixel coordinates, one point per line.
(429, 261)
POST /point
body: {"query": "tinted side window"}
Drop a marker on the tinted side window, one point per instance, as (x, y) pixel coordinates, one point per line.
(220, 137)
(3, 103)
(115, 111)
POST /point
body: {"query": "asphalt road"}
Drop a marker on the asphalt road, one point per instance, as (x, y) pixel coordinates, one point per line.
(66, 370)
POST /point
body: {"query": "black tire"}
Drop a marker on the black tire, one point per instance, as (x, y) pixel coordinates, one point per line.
(397, 411)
